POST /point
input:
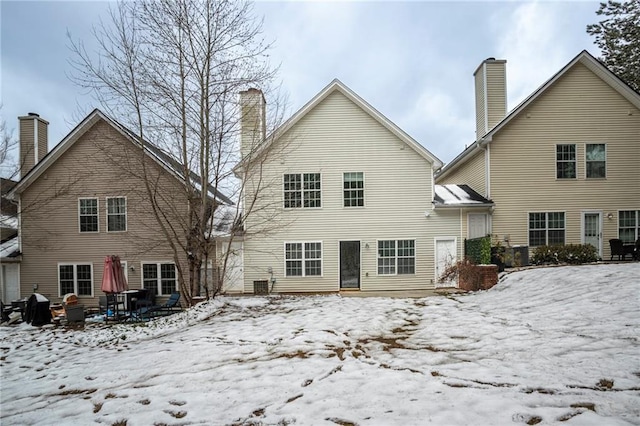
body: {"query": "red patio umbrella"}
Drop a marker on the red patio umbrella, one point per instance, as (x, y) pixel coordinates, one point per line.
(113, 279)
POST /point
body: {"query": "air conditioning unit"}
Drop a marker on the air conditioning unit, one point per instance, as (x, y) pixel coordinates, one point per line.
(261, 287)
(519, 256)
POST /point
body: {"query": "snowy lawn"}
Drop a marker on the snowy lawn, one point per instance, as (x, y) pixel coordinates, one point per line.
(549, 346)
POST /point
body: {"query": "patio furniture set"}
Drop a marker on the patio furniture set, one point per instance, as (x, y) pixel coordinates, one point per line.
(620, 249)
(137, 305)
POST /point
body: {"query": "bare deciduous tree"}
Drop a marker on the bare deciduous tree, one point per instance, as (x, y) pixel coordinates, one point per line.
(171, 71)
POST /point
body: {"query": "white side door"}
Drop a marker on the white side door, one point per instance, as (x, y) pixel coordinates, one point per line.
(446, 255)
(10, 280)
(592, 229)
(477, 225)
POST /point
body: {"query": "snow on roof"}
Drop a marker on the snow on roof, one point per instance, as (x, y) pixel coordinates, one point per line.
(458, 195)
(7, 221)
(9, 248)
(224, 217)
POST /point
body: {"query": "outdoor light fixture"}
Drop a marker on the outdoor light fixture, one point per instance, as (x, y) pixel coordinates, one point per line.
(609, 216)
(132, 268)
(366, 245)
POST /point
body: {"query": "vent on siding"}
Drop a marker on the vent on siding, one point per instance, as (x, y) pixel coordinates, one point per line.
(261, 287)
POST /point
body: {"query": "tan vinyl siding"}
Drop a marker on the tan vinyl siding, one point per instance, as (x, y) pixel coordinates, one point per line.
(496, 93)
(481, 117)
(472, 173)
(101, 164)
(333, 138)
(27, 147)
(578, 109)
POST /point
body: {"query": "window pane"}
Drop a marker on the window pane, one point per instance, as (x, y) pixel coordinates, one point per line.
(386, 257)
(89, 223)
(293, 256)
(595, 152)
(556, 237)
(312, 191)
(116, 214)
(596, 169)
(85, 283)
(565, 161)
(556, 220)
(167, 278)
(537, 220)
(407, 265)
(353, 186)
(294, 268)
(88, 215)
(386, 266)
(313, 254)
(66, 279)
(537, 238)
(313, 268)
(292, 191)
(150, 276)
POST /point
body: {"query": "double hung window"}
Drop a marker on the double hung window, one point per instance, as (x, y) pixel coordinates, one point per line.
(75, 278)
(629, 225)
(160, 277)
(566, 161)
(396, 257)
(546, 228)
(302, 190)
(116, 214)
(353, 187)
(303, 259)
(88, 214)
(596, 159)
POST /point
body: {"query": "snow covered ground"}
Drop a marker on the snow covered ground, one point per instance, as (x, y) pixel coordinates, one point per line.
(554, 346)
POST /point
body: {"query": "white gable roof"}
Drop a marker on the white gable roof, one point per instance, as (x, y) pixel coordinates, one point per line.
(337, 85)
(584, 58)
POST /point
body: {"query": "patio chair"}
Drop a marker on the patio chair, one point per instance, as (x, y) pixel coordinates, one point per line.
(617, 248)
(145, 306)
(170, 306)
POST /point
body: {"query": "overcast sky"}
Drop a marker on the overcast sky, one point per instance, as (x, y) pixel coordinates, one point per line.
(412, 61)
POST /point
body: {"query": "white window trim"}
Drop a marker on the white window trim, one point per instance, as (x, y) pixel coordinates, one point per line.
(126, 213)
(304, 259)
(546, 229)
(555, 163)
(637, 228)
(97, 215)
(415, 257)
(159, 278)
(606, 163)
(302, 207)
(364, 192)
(75, 277)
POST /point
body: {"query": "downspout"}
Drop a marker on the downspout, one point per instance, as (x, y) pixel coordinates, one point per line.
(484, 143)
(20, 224)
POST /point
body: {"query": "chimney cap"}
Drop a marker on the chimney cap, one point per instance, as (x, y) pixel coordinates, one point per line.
(33, 114)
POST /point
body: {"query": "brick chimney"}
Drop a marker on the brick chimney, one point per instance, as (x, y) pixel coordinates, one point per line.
(491, 94)
(253, 108)
(33, 141)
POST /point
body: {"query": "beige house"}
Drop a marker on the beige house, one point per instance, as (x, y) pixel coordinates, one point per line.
(85, 200)
(561, 167)
(342, 199)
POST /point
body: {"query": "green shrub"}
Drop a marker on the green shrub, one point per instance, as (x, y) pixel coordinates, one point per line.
(478, 250)
(573, 254)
